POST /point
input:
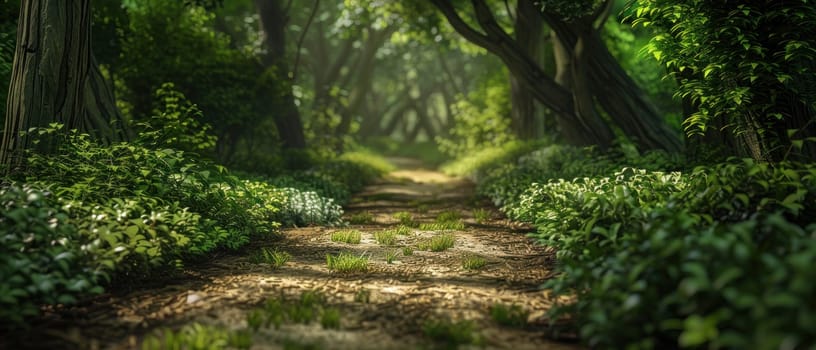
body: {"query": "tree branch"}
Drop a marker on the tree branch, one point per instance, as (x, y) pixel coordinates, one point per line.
(303, 36)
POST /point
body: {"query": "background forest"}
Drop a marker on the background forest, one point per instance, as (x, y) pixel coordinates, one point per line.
(664, 149)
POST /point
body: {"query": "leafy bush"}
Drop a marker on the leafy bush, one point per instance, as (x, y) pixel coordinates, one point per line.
(41, 259)
(303, 208)
(708, 257)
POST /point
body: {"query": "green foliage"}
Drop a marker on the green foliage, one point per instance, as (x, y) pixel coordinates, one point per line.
(747, 66)
(473, 262)
(347, 263)
(303, 208)
(386, 237)
(509, 315)
(330, 318)
(407, 251)
(481, 215)
(346, 236)
(479, 160)
(361, 218)
(711, 257)
(391, 255)
(275, 258)
(480, 120)
(41, 255)
(406, 219)
(175, 124)
(452, 333)
(446, 220)
(197, 336)
(438, 243)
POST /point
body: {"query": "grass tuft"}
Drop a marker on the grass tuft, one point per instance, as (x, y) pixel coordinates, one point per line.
(347, 262)
(268, 256)
(509, 315)
(391, 255)
(405, 218)
(451, 333)
(442, 226)
(473, 262)
(438, 243)
(346, 236)
(330, 318)
(361, 218)
(386, 237)
(406, 251)
(481, 215)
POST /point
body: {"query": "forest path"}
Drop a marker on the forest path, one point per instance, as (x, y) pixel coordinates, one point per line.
(383, 308)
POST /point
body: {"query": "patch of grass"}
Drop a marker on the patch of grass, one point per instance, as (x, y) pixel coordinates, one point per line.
(509, 315)
(451, 333)
(330, 318)
(406, 251)
(422, 208)
(275, 257)
(391, 255)
(438, 243)
(442, 226)
(198, 336)
(473, 262)
(402, 230)
(346, 236)
(363, 296)
(405, 218)
(481, 215)
(386, 237)
(347, 263)
(448, 215)
(361, 218)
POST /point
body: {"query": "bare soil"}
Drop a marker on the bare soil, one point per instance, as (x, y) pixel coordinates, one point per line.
(402, 294)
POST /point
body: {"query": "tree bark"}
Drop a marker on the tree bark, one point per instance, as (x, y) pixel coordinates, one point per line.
(528, 29)
(50, 67)
(609, 84)
(286, 116)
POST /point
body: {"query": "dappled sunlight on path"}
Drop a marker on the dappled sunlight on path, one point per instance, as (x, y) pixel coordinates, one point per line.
(400, 295)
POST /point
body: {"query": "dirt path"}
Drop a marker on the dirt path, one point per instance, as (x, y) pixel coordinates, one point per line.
(384, 308)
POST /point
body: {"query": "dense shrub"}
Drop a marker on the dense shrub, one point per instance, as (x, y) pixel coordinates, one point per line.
(86, 214)
(41, 260)
(715, 256)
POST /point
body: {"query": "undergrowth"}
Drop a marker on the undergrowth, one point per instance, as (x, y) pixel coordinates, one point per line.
(655, 253)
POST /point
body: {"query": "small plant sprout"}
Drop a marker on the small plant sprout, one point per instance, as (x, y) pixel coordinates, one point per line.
(346, 236)
(422, 208)
(438, 243)
(275, 257)
(481, 215)
(386, 237)
(361, 218)
(391, 255)
(509, 315)
(402, 230)
(347, 263)
(473, 262)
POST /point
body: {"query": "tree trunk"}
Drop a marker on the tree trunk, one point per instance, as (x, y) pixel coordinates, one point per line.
(286, 116)
(102, 118)
(51, 63)
(528, 30)
(614, 90)
(607, 81)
